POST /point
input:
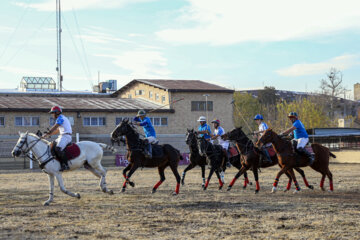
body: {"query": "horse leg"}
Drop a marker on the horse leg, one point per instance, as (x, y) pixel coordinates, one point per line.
(203, 176)
(281, 172)
(241, 171)
(162, 179)
(212, 170)
(256, 176)
(173, 167)
(246, 180)
(99, 169)
(127, 168)
(289, 182)
(133, 168)
(329, 175)
(62, 187)
(302, 173)
(292, 174)
(51, 186)
(322, 181)
(220, 180)
(189, 167)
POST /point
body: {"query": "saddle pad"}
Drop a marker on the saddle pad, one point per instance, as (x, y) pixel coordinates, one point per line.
(309, 149)
(72, 151)
(232, 152)
(271, 151)
(157, 151)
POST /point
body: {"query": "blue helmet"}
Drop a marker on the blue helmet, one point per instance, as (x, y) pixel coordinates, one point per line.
(258, 117)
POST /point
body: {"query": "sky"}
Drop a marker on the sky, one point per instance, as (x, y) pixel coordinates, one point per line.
(239, 44)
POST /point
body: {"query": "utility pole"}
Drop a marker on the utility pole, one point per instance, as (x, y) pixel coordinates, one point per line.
(206, 110)
(58, 41)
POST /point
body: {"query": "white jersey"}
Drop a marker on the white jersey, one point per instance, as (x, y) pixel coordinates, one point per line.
(262, 127)
(64, 125)
(220, 131)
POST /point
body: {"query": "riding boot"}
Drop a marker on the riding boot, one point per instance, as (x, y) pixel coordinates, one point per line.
(63, 159)
(148, 150)
(266, 156)
(307, 154)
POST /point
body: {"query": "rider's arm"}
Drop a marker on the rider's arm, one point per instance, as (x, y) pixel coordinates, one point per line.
(53, 130)
(286, 132)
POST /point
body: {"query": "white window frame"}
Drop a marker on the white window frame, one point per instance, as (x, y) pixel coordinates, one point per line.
(91, 117)
(160, 121)
(157, 96)
(151, 94)
(22, 121)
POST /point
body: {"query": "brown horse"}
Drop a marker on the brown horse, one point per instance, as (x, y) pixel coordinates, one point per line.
(288, 159)
(163, 156)
(250, 159)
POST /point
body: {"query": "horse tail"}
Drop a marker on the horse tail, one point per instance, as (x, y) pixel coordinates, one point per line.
(332, 155)
(107, 147)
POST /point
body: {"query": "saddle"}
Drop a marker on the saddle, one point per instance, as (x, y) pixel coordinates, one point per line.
(232, 152)
(72, 151)
(157, 151)
(271, 151)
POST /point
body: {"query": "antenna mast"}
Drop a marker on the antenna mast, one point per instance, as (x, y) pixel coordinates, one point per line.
(58, 40)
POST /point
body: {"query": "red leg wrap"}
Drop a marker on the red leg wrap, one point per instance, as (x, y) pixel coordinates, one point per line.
(276, 182)
(207, 183)
(177, 189)
(331, 186)
(124, 185)
(232, 182)
(245, 183)
(221, 183)
(257, 186)
(158, 184)
(322, 182)
(288, 185)
(247, 180)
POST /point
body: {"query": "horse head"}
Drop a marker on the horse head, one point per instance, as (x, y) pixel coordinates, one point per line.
(202, 145)
(267, 137)
(120, 130)
(190, 137)
(19, 147)
(234, 135)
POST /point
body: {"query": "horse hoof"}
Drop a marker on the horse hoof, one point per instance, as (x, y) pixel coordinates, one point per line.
(111, 192)
(46, 203)
(250, 183)
(220, 187)
(256, 191)
(229, 188)
(78, 195)
(330, 191)
(273, 190)
(174, 194)
(204, 188)
(153, 191)
(322, 189)
(132, 184)
(244, 187)
(123, 189)
(296, 191)
(311, 187)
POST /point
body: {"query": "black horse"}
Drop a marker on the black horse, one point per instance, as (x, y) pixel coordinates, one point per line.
(250, 158)
(215, 155)
(197, 160)
(163, 155)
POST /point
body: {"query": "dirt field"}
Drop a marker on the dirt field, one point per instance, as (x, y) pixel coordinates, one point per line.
(194, 214)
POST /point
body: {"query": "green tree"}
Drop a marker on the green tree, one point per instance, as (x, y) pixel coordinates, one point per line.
(245, 108)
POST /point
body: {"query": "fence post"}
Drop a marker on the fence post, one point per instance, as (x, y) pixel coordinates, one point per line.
(77, 137)
(31, 162)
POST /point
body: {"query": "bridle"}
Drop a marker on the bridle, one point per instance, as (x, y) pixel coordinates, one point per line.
(30, 146)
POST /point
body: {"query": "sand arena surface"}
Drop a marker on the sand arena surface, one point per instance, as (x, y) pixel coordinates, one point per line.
(194, 214)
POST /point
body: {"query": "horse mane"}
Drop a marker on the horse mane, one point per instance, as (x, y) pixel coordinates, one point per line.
(37, 137)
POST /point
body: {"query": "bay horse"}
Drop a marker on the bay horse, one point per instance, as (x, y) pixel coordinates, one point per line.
(214, 153)
(90, 157)
(288, 159)
(250, 159)
(197, 160)
(136, 157)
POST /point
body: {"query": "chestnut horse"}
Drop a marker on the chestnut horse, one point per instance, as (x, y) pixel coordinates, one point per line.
(288, 159)
(250, 159)
(136, 157)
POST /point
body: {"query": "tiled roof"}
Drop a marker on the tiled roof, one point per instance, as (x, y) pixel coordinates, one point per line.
(178, 85)
(42, 104)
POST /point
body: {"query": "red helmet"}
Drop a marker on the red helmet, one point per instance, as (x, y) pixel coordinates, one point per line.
(55, 109)
(216, 121)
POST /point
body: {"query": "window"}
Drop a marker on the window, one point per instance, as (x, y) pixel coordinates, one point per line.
(157, 96)
(2, 121)
(94, 121)
(200, 105)
(163, 99)
(150, 94)
(139, 92)
(27, 121)
(159, 121)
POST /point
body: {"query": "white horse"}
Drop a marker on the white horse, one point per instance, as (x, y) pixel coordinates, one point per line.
(90, 157)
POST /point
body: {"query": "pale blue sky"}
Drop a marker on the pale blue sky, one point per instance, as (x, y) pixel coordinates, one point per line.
(239, 44)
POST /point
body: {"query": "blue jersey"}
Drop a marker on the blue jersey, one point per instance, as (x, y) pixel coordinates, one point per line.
(147, 126)
(300, 131)
(204, 128)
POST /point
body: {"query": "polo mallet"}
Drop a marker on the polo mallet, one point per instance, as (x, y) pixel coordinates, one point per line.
(241, 115)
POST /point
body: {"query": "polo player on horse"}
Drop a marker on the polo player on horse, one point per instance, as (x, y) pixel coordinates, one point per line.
(63, 127)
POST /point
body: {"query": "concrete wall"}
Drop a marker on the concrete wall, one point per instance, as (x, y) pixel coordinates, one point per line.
(147, 89)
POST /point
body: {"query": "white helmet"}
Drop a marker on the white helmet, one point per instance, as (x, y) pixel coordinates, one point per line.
(202, 119)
